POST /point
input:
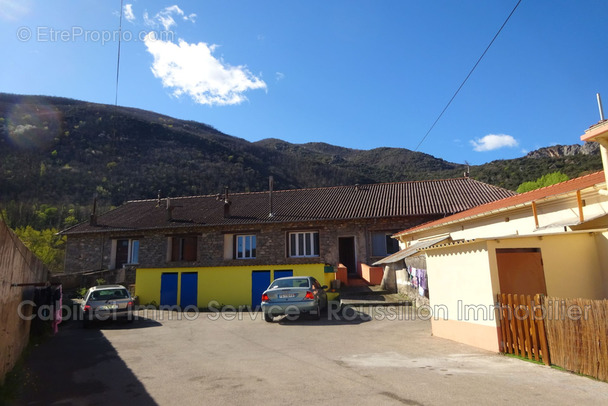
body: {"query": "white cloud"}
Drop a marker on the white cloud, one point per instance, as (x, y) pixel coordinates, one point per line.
(279, 76)
(12, 10)
(192, 69)
(128, 13)
(165, 17)
(190, 17)
(493, 141)
(147, 19)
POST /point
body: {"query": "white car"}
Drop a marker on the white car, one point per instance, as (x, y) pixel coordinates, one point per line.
(106, 302)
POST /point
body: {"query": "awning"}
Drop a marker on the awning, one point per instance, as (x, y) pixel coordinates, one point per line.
(573, 222)
(409, 251)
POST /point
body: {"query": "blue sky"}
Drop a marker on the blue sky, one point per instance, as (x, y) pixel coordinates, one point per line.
(354, 73)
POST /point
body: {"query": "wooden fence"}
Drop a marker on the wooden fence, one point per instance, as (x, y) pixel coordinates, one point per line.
(574, 332)
(522, 327)
(577, 330)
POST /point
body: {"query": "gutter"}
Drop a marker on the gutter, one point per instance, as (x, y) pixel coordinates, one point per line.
(531, 203)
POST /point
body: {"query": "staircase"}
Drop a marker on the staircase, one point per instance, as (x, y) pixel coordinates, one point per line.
(359, 293)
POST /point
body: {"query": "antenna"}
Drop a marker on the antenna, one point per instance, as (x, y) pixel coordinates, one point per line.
(599, 105)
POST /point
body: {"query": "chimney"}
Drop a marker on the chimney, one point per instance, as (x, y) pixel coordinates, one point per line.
(169, 210)
(270, 188)
(227, 203)
(93, 217)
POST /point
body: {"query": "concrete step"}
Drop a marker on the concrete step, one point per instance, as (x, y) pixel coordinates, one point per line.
(374, 303)
(373, 295)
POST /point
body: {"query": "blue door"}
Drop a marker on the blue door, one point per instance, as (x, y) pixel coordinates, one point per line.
(168, 289)
(259, 283)
(283, 274)
(189, 291)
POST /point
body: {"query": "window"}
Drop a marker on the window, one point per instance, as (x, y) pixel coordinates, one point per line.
(126, 252)
(304, 244)
(134, 255)
(383, 244)
(184, 248)
(245, 246)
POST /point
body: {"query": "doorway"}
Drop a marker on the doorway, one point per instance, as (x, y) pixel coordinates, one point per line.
(283, 273)
(168, 289)
(520, 271)
(189, 290)
(346, 252)
(259, 283)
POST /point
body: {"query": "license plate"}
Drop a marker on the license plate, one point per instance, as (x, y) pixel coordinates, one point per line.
(287, 295)
(108, 307)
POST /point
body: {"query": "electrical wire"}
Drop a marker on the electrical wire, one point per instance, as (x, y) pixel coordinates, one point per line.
(118, 57)
(468, 76)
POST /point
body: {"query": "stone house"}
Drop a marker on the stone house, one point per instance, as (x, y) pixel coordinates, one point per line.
(226, 248)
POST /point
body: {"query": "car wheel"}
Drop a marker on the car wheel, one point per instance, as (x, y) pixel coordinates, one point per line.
(268, 318)
(316, 314)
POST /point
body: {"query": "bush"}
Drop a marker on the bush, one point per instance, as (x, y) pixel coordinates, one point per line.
(544, 181)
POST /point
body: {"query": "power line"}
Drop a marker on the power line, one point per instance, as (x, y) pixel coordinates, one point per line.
(468, 76)
(118, 58)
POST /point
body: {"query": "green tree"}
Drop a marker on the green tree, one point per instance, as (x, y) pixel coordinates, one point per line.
(545, 180)
(45, 244)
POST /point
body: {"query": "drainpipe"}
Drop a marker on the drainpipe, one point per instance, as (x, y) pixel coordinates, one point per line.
(270, 187)
(93, 217)
(227, 203)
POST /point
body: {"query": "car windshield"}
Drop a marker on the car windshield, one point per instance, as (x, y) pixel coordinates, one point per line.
(290, 283)
(109, 294)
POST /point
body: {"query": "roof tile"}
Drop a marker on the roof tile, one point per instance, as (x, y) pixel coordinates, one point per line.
(399, 199)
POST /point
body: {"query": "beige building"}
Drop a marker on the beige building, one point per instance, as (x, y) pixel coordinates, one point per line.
(553, 240)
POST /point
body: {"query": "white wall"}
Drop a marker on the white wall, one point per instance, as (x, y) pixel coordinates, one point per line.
(570, 261)
(459, 280)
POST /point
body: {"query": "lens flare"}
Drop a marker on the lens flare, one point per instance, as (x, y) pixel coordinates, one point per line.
(33, 126)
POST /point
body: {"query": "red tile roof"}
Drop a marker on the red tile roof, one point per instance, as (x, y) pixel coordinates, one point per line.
(400, 199)
(571, 185)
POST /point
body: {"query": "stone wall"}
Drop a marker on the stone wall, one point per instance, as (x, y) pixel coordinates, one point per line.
(87, 252)
(402, 279)
(17, 266)
(92, 252)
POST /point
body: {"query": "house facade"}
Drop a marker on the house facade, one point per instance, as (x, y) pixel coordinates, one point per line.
(552, 241)
(226, 249)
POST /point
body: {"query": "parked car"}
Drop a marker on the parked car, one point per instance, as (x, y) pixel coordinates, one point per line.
(106, 302)
(294, 295)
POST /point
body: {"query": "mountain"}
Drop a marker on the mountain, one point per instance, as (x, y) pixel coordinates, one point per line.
(555, 151)
(62, 151)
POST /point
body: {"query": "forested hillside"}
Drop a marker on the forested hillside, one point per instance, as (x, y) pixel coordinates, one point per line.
(56, 154)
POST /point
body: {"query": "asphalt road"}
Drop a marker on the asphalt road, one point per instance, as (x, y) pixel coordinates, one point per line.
(238, 359)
